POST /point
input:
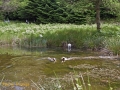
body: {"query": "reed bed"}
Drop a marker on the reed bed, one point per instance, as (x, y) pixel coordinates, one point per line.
(55, 35)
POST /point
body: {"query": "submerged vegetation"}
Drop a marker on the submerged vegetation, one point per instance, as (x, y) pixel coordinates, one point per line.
(55, 35)
(34, 72)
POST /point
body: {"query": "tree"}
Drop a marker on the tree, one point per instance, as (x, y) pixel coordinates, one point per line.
(7, 6)
(50, 11)
(98, 2)
(96, 5)
(113, 4)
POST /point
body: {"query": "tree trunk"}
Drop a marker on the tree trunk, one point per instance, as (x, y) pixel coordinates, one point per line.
(98, 2)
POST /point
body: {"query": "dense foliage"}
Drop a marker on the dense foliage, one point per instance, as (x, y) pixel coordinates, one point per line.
(54, 11)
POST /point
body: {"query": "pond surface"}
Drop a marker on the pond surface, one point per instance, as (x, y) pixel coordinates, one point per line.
(30, 69)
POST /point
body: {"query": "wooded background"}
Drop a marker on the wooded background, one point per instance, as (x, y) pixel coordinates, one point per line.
(58, 11)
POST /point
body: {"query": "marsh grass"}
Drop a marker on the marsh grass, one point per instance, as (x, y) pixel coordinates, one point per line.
(113, 44)
(76, 81)
(78, 84)
(110, 88)
(38, 87)
(2, 80)
(55, 35)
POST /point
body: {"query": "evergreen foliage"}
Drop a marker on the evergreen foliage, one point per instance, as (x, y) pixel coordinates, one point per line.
(50, 11)
(58, 11)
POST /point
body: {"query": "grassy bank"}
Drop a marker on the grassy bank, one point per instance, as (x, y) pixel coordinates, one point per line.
(56, 35)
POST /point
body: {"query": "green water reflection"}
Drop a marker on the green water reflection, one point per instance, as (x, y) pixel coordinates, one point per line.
(22, 66)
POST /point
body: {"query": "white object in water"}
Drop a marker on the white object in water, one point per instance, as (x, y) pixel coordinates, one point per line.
(69, 46)
(64, 59)
(52, 59)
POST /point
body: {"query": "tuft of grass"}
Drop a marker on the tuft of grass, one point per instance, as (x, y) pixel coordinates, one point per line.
(40, 88)
(113, 44)
(2, 80)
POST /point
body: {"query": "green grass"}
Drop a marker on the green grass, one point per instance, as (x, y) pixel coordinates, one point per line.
(54, 35)
(76, 81)
(113, 44)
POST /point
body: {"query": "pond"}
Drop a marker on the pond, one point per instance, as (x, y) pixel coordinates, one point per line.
(30, 69)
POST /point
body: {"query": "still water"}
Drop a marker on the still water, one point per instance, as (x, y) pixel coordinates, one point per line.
(30, 69)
